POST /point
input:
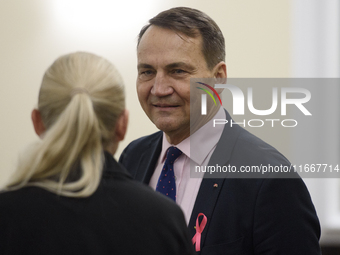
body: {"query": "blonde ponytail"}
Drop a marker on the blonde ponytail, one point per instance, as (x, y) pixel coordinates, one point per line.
(80, 100)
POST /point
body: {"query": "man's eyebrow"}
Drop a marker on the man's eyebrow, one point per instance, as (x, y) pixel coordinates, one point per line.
(169, 66)
(180, 65)
(142, 65)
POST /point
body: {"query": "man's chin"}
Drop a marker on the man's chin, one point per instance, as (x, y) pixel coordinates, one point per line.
(165, 127)
(167, 124)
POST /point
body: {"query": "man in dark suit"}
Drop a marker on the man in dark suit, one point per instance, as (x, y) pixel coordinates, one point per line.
(268, 215)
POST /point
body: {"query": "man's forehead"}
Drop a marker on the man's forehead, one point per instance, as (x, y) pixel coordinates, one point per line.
(155, 34)
(162, 47)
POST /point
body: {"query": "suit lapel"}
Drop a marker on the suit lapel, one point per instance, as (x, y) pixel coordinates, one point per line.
(148, 159)
(211, 187)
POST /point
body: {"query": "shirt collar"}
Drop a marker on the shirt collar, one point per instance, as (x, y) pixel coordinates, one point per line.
(184, 146)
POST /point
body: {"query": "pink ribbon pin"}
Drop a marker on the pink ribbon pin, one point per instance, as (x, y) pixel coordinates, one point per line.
(199, 229)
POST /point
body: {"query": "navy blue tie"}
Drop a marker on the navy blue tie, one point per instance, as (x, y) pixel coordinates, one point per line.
(166, 182)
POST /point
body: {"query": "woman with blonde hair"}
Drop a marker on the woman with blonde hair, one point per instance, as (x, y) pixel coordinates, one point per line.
(68, 195)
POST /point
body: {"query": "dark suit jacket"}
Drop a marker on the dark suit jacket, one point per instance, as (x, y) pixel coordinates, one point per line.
(121, 217)
(244, 216)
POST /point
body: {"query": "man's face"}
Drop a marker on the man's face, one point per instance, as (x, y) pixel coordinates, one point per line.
(166, 62)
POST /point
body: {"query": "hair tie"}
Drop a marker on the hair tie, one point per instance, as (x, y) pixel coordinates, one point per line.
(78, 90)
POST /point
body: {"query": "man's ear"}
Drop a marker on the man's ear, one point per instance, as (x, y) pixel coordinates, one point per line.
(38, 124)
(121, 126)
(220, 74)
(220, 70)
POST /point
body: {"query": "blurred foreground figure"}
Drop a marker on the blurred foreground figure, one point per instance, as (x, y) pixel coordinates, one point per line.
(68, 194)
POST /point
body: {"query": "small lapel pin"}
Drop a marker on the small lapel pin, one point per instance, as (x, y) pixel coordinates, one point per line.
(215, 185)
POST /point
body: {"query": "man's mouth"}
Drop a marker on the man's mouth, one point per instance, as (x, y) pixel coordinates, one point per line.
(165, 105)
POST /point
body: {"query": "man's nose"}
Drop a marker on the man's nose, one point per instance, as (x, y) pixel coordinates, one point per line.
(162, 86)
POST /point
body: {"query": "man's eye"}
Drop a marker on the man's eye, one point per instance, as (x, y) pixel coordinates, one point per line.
(178, 71)
(147, 72)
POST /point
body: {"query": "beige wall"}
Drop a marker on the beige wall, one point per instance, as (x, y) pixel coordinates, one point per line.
(35, 32)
